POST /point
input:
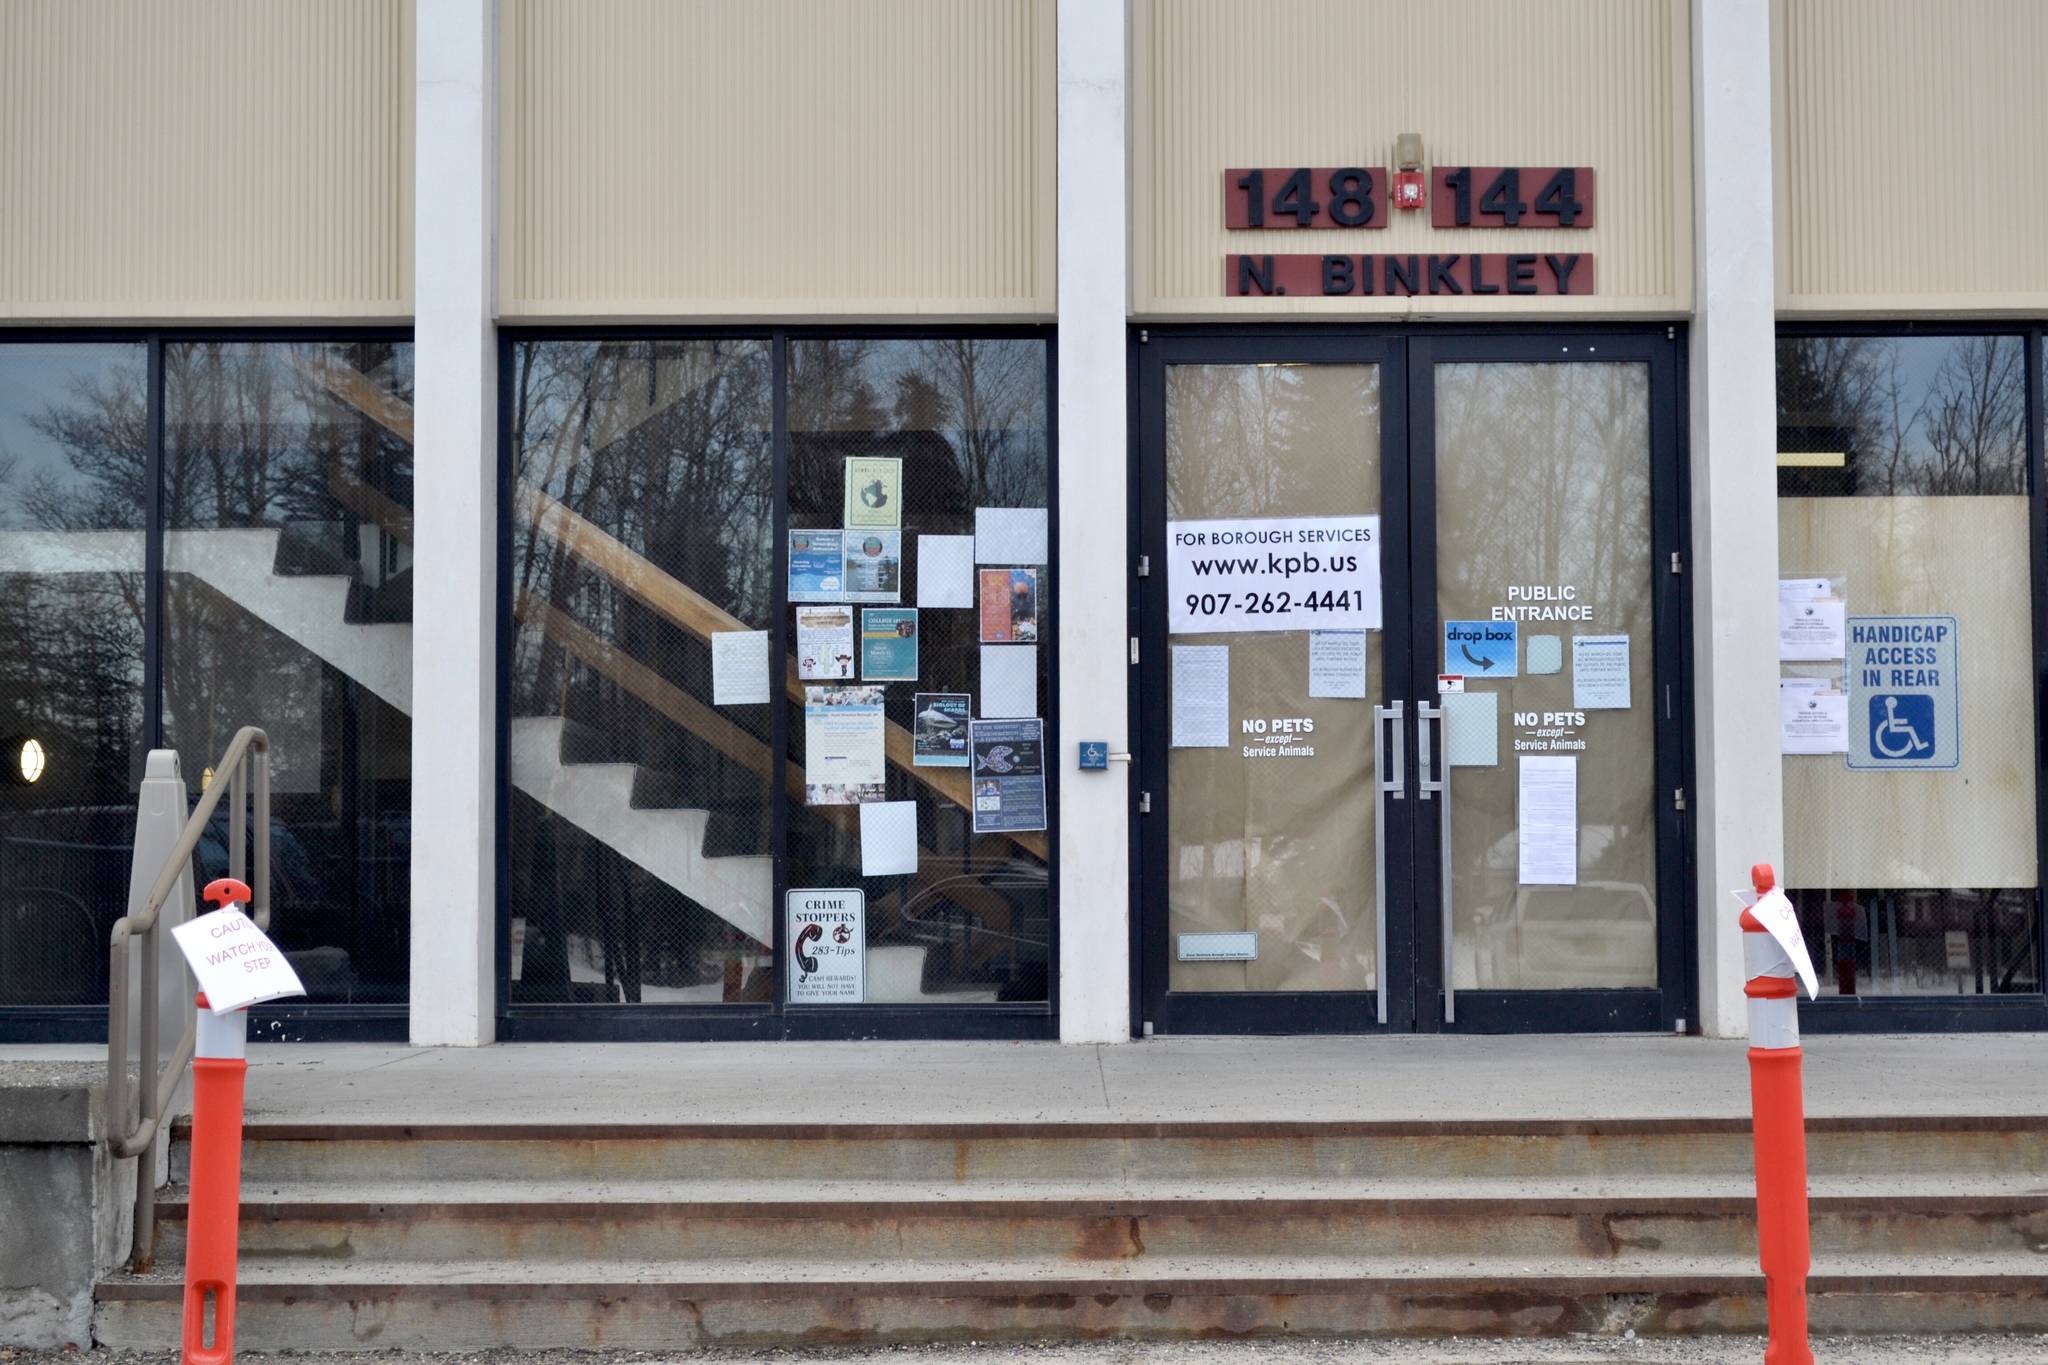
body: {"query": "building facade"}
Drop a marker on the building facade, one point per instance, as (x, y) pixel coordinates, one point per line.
(1053, 519)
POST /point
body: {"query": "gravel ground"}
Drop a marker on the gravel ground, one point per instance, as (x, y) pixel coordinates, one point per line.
(1961, 1350)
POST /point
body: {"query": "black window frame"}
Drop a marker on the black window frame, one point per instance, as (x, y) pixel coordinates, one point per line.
(282, 1021)
(619, 1022)
(1991, 1012)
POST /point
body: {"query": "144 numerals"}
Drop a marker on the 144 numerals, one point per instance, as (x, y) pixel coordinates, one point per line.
(1498, 196)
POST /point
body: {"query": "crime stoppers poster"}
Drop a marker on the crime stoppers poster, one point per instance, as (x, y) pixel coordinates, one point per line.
(827, 947)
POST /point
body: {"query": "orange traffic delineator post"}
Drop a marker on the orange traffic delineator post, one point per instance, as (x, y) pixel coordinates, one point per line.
(220, 1065)
(1784, 1242)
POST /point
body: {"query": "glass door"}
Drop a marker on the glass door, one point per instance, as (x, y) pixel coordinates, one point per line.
(1266, 850)
(1547, 588)
(1464, 812)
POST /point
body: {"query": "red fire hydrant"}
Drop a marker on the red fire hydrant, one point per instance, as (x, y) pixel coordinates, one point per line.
(219, 1068)
(1779, 1112)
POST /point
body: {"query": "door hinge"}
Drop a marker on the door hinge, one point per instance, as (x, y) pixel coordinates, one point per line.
(1677, 562)
(1134, 650)
(1678, 798)
(1144, 336)
(1144, 803)
(1144, 566)
(1671, 334)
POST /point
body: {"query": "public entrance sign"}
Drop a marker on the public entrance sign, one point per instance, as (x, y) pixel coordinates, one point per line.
(1904, 709)
(1273, 573)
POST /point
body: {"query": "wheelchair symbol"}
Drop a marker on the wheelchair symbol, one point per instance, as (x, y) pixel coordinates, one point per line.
(1901, 725)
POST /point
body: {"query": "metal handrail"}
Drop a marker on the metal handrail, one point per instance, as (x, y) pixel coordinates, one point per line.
(231, 778)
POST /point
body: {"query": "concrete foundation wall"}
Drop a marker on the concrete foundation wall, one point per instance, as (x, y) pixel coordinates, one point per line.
(66, 1208)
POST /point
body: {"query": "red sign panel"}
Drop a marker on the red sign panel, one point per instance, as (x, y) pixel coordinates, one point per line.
(1511, 196)
(1305, 197)
(1443, 274)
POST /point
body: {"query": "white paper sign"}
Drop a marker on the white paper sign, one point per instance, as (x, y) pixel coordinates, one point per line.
(888, 838)
(739, 667)
(1776, 914)
(1336, 663)
(1273, 573)
(1009, 535)
(827, 947)
(235, 962)
(1600, 672)
(1009, 682)
(1201, 696)
(1812, 621)
(1472, 725)
(1549, 820)
(945, 571)
(1812, 718)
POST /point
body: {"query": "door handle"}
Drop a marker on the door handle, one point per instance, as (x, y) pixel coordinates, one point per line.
(1389, 782)
(1436, 781)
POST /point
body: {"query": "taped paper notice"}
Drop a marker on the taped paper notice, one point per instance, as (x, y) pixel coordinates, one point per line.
(235, 962)
(888, 838)
(1009, 535)
(1548, 815)
(1599, 672)
(1472, 720)
(1009, 681)
(945, 571)
(1336, 663)
(1813, 717)
(1546, 654)
(827, 947)
(739, 667)
(1201, 696)
(845, 751)
(1812, 621)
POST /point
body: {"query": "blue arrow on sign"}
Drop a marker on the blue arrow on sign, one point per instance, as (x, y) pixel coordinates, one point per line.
(1482, 649)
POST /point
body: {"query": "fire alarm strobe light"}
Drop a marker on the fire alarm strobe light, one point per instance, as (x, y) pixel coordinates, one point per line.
(1408, 192)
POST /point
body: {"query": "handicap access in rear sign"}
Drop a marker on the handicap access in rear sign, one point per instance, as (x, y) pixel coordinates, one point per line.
(1481, 649)
(1904, 708)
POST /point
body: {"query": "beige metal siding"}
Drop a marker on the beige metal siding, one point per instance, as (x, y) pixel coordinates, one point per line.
(1220, 83)
(205, 158)
(777, 158)
(1909, 137)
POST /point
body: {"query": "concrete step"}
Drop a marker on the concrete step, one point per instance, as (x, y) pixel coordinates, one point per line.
(904, 1236)
(665, 1305)
(967, 1156)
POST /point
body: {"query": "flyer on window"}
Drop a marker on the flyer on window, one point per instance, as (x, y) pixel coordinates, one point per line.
(824, 642)
(874, 492)
(888, 644)
(845, 761)
(940, 739)
(1009, 775)
(817, 566)
(1009, 606)
(874, 567)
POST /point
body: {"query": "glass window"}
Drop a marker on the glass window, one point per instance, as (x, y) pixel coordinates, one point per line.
(651, 678)
(1911, 828)
(962, 423)
(642, 507)
(73, 473)
(287, 603)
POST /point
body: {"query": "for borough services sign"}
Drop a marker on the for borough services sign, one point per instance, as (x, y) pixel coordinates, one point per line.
(1273, 573)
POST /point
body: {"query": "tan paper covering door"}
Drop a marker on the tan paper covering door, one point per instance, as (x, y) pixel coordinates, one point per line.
(1282, 847)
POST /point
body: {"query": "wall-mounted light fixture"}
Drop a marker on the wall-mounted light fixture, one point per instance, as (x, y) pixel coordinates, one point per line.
(26, 758)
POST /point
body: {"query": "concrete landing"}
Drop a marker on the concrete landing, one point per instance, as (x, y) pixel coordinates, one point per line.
(1193, 1080)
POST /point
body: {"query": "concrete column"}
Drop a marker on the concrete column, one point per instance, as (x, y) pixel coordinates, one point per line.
(1094, 846)
(454, 661)
(1734, 486)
